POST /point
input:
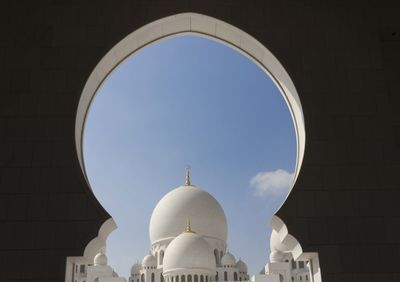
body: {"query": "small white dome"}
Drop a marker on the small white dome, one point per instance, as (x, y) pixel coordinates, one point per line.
(241, 266)
(188, 202)
(100, 259)
(135, 269)
(228, 259)
(149, 260)
(189, 251)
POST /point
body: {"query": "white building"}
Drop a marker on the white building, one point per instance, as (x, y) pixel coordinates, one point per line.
(285, 271)
(188, 234)
(198, 251)
(99, 271)
(282, 266)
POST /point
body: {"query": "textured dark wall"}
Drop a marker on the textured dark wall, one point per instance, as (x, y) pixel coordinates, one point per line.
(343, 57)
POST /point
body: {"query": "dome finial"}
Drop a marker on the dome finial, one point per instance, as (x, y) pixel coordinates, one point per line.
(188, 227)
(187, 178)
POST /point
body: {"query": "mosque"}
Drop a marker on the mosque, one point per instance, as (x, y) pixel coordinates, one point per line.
(188, 234)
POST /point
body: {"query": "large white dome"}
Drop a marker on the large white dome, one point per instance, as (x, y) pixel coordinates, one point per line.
(189, 251)
(188, 203)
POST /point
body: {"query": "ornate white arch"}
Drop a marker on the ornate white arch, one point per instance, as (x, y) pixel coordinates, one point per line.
(203, 26)
(96, 245)
(191, 23)
(283, 242)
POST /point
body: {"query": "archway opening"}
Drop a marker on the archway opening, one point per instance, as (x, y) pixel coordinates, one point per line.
(280, 81)
(190, 100)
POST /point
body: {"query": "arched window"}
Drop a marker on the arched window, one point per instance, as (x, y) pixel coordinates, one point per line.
(196, 278)
(161, 257)
(240, 279)
(183, 278)
(137, 280)
(216, 277)
(152, 277)
(206, 278)
(172, 279)
(161, 278)
(301, 278)
(201, 278)
(235, 277)
(142, 277)
(189, 278)
(221, 254)
(225, 276)
(177, 278)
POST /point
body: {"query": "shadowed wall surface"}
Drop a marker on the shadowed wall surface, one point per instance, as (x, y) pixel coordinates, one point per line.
(343, 58)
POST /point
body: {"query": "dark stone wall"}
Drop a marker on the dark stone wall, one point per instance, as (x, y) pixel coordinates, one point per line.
(343, 57)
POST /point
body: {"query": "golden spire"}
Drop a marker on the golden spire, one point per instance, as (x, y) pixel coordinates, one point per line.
(187, 179)
(188, 227)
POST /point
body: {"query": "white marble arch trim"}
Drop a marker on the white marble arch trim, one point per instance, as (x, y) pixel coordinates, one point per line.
(204, 26)
(289, 244)
(96, 245)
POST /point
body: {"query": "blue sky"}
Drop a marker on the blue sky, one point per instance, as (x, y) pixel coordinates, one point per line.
(189, 101)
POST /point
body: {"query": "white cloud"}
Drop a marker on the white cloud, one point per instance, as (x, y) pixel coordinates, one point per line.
(272, 182)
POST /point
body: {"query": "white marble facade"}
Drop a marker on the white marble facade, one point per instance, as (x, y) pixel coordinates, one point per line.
(99, 271)
(188, 235)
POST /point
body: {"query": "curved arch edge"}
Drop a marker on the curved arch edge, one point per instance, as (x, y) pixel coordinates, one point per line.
(287, 243)
(96, 245)
(204, 26)
(225, 33)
